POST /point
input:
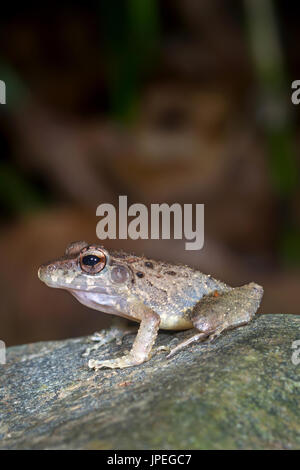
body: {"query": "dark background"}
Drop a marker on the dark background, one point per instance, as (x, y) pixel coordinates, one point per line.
(164, 101)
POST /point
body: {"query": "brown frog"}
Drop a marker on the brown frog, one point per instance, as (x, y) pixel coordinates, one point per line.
(154, 293)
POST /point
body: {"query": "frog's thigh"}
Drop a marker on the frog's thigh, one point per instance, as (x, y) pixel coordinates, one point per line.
(228, 309)
(220, 311)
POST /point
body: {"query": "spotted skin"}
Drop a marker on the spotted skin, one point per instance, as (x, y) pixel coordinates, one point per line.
(156, 294)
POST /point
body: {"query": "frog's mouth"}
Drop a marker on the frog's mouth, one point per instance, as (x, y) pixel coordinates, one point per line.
(75, 290)
(57, 282)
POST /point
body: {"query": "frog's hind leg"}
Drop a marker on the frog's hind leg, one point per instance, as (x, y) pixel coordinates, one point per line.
(186, 342)
(221, 311)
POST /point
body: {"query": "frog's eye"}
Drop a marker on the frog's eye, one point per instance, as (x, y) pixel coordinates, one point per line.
(92, 263)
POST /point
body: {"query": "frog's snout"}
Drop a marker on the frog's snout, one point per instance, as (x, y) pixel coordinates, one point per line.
(42, 273)
(45, 273)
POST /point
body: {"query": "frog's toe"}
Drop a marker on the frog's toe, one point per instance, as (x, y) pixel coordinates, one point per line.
(162, 348)
(119, 363)
(214, 335)
(94, 364)
(108, 364)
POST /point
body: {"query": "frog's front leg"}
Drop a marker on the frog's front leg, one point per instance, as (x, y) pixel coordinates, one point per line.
(221, 311)
(142, 346)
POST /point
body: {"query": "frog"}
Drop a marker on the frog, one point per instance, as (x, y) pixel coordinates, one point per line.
(156, 294)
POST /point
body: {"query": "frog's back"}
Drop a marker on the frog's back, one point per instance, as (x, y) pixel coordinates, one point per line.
(172, 291)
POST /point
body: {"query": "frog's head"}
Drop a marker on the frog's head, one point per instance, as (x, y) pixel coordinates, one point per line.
(87, 268)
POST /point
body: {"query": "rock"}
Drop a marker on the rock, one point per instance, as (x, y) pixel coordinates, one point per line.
(240, 392)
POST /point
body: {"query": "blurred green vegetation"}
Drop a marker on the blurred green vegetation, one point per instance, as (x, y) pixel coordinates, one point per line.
(17, 194)
(131, 39)
(277, 118)
(131, 36)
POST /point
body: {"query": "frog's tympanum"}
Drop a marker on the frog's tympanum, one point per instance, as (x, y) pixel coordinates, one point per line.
(154, 293)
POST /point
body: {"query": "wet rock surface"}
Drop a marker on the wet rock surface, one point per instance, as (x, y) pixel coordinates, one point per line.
(240, 392)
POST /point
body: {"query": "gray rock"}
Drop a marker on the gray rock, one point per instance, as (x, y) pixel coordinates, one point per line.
(241, 392)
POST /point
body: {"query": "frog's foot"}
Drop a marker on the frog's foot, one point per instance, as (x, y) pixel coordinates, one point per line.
(119, 363)
(186, 342)
(214, 335)
(105, 337)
